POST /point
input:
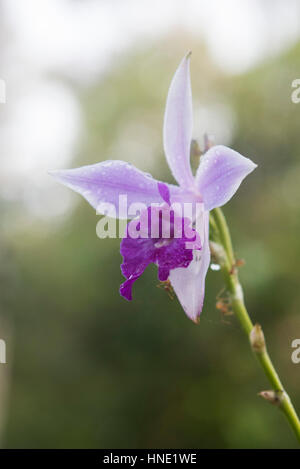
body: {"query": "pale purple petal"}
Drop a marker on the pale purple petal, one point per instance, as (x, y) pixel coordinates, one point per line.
(178, 125)
(220, 174)
(103, 183)
(189, 283)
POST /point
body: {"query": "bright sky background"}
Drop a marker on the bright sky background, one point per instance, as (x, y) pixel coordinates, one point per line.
(41, 120)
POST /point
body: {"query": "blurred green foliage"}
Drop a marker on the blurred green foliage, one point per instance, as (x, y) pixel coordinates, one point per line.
(92, 370)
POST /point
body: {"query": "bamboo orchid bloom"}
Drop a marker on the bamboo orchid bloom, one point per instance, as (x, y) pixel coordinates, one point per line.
(220, 173)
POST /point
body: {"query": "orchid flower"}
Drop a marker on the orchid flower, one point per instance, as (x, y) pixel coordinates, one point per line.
(220, 172)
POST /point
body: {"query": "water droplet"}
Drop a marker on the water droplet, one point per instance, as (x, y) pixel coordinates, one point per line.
(215, 267)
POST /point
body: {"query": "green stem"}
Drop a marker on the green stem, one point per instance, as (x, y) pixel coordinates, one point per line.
(228, 266)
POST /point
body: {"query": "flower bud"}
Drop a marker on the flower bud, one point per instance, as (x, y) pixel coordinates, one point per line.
(195, 150)
(274, 397)
(257, 339)
(218, 253)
